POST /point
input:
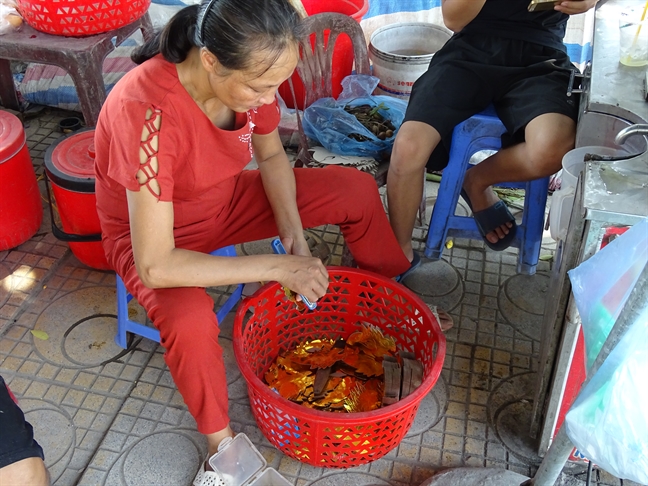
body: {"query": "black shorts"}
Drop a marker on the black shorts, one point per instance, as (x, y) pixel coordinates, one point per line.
(521, 79)
(16, 435)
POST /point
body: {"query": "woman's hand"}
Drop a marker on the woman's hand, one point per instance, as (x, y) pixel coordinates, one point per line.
(296, 246)
(304, 275)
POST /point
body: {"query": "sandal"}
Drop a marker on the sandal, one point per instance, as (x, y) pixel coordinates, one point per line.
(445, 320)
(489, 219)
(416, 262)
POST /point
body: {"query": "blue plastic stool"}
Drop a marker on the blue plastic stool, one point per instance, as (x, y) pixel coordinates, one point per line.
(124, 324)
(483, 131)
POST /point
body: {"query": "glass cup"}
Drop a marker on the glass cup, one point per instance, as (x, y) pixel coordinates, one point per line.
(633, 38)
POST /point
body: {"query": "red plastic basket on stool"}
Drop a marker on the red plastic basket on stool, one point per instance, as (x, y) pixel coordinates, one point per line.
(78, 18)
(267, 323)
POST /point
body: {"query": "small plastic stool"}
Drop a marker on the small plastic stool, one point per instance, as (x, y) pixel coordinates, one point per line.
(483, 131)
(124, 324)
(81, 57)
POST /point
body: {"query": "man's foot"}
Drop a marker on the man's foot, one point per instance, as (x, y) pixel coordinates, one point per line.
(495, 223)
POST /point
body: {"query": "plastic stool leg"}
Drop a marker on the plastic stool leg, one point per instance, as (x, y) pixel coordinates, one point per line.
(535, 201)
(124, 324)
(122, 312)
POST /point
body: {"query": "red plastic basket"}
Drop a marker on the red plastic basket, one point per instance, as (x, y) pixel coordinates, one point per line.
(78, 18)
(267, 323)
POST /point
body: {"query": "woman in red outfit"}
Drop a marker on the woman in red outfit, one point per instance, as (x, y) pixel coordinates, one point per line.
(171, 144)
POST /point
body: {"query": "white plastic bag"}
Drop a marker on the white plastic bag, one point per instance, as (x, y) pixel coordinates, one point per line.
(608, 423)
(602, 283)
(10, 19)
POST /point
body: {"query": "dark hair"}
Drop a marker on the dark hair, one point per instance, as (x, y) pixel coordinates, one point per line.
(232, 30)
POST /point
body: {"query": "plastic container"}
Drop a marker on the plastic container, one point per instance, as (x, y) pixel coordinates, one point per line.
(401, 53)
(267, 324)
(69, 165)
(562, 200)
(239, 463)
(80, 18)
(21, 209)
(342, 55)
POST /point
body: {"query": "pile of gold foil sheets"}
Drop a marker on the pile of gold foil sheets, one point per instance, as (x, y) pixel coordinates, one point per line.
(335, 375)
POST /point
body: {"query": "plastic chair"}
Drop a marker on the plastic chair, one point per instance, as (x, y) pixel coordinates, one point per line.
(320, 32)
(483, 131)
(124, 324)
(81, 57)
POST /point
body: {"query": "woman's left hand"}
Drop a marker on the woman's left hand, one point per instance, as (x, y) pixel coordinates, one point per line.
(296, 246)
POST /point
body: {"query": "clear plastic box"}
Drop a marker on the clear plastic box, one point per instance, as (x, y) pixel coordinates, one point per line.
(239, 463)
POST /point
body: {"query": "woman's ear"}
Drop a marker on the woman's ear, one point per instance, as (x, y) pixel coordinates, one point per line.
(209, 61)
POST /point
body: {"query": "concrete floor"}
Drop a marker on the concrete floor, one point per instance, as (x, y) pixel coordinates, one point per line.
(106, 416)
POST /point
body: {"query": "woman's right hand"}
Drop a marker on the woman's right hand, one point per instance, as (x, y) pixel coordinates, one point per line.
(304, 275)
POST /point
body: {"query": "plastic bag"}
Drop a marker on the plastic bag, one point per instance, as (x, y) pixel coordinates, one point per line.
(608, 423)
(327, 122)
(10, 18)
(601, 285)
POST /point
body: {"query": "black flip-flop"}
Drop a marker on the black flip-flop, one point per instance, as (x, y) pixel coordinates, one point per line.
(416, 262)
(490, 219)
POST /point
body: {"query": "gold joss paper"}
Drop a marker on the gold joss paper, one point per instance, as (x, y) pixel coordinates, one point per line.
(334, 375)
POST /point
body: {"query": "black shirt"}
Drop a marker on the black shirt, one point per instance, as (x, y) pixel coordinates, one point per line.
(512, 20)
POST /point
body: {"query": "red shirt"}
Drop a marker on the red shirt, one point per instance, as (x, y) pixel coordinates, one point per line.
(197, 161)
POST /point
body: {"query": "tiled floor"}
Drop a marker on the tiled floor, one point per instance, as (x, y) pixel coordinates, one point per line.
(106, 416)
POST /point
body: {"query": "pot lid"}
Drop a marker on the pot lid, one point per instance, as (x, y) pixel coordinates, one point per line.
(70, 160)
(12, 135)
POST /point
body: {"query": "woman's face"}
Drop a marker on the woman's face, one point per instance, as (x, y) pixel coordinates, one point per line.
(246, 90)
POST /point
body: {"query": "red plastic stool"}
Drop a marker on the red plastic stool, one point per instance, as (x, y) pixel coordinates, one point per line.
(81, 57)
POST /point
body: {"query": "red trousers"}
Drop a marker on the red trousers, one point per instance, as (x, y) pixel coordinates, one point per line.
(185, 317)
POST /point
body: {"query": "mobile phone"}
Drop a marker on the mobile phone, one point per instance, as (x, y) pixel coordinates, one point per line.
(540, 5)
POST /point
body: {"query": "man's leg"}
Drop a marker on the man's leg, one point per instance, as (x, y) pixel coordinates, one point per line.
(21, 458)
(548, 138)
(30, 471)
(412, 149)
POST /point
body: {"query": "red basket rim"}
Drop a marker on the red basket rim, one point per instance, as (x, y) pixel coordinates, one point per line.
(380, 413)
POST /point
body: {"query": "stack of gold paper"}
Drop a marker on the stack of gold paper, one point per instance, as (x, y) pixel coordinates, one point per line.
(335, 375)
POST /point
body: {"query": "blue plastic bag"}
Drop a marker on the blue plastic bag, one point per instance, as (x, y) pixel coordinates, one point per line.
(327, 122)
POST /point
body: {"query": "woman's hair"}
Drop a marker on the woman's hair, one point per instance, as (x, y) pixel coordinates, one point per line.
(232, 30)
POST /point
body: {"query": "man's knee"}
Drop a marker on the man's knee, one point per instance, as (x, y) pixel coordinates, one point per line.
(549, 142)
(30, 471)
(412, 147)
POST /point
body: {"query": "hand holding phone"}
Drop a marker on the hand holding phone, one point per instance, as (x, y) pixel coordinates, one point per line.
(540, 5)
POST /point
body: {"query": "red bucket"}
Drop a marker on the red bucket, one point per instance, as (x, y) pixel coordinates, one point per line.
(267, 324)
(21, 210)
(342, 64)
(69, 165)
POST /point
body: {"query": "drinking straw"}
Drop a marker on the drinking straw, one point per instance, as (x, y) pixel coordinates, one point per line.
(643, 17)
(636, 37)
